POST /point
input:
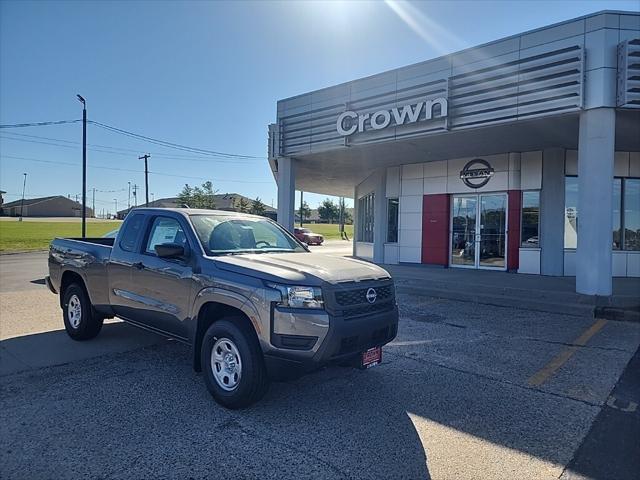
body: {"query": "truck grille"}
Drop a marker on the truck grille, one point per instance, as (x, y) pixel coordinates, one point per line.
(359, 295)
(350, 300)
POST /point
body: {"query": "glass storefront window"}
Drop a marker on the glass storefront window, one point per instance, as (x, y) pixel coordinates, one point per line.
(571, 212)
(631, 217)
(365, 218)
(625, 213)
(392, 220)
(530, 230)
(617, 217)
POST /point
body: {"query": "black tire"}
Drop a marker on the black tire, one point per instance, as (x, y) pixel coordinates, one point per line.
(89, 324)
(253, 381)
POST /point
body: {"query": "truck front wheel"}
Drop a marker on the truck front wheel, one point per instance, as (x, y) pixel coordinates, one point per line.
(232, 363)
(80, 319)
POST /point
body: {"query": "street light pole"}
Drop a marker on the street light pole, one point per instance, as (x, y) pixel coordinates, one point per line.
(129, 197)
(24, 184)
(146, 157)
(116, 202)
(84, 165)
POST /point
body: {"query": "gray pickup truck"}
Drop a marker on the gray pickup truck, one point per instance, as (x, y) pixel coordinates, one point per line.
(251, 300)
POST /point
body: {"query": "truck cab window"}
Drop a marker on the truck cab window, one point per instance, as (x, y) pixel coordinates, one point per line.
(165, 230)
(131, 233)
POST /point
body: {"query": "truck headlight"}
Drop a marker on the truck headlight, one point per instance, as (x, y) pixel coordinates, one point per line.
(299, 297)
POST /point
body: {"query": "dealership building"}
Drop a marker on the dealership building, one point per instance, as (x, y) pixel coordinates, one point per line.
(519, 155)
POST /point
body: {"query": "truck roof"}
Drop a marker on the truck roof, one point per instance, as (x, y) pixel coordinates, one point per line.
(197, 211)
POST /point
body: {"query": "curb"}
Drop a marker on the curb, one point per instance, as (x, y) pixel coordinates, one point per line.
(572, 309)
(18, 252)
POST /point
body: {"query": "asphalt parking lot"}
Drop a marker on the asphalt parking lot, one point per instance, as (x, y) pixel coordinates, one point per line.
(466, 391)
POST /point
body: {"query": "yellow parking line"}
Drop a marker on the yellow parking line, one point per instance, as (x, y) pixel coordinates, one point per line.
(550, 368)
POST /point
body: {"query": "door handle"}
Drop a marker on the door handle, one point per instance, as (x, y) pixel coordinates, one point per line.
(138, 265)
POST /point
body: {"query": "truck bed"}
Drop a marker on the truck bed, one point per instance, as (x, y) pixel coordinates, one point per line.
(97, 240)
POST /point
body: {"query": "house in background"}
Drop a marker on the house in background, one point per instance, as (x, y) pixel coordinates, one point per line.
(229, 202)
(54, 206)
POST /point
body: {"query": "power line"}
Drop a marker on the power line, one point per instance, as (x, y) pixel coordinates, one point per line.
(164, 156)
(173, 156)
(171, 144)
(127, 170)
(38, 124)
(138, 136)
(100, 150)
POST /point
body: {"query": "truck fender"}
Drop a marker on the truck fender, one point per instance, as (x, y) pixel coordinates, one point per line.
(225, 302)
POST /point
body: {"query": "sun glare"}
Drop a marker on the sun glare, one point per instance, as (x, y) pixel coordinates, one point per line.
(436, 36)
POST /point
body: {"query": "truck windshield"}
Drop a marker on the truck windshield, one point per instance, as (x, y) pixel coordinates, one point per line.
(222, 235)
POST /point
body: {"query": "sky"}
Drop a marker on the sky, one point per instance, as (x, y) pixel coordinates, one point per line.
(205, 75)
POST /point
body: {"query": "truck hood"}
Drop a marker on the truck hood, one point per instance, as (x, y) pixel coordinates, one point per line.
(303, 268)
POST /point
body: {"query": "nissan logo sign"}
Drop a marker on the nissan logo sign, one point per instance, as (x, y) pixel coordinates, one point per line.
(371, 295)
(476, 173)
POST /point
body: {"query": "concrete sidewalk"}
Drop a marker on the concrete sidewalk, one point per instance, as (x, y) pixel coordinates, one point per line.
(534, 292)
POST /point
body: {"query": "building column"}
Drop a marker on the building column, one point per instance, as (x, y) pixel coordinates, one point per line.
(596, 151)
(286, 192)
(552, 212)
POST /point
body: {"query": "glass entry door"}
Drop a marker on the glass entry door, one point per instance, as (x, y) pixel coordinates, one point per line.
(479, 231)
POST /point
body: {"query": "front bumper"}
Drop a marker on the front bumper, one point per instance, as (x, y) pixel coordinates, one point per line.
(345, 338)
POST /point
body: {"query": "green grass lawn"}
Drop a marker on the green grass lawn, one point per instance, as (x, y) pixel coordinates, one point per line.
(329, 231)
(23, 236)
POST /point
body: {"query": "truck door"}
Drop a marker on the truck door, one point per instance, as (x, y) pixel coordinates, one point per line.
(162, 287)
(123, 255)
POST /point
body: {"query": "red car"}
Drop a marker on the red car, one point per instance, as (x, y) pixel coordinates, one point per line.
(307, 236)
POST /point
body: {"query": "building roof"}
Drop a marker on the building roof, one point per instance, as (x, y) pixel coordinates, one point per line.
(223, 201)
(33, 201)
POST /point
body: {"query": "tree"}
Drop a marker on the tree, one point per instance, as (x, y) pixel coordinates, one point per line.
(257, 207)
(243, 205)
(305, 212)
(198, 197)
(328, 211)
(185, 197)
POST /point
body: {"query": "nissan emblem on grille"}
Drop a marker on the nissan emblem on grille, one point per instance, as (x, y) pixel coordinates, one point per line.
(371, 295)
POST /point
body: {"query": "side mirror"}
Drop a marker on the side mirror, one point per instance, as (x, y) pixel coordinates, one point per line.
(169, 250)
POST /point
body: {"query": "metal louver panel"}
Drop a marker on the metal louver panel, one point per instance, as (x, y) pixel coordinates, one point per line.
(545, 84)
(629, 74)
(533, 86)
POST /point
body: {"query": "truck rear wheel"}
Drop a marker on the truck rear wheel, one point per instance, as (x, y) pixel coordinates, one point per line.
(80, 319)
(232, 363)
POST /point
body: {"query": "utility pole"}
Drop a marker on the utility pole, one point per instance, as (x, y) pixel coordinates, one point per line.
(341, 228)
(24, 184)
(93, 204)
(301, 213)
(146, 157)
(84, 165)
(129, 196)
(135, 195)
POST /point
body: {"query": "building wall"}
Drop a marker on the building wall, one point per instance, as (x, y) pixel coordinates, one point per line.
(424, 191)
